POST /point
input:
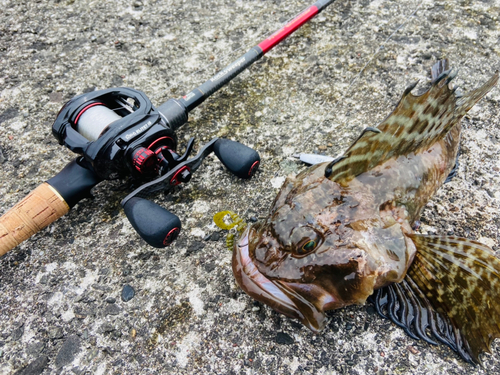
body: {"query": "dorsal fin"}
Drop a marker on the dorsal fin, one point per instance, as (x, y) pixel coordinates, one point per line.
(438, 68)
(416, 123)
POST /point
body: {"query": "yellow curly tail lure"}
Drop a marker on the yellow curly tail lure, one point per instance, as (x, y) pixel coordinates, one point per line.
(237, 223)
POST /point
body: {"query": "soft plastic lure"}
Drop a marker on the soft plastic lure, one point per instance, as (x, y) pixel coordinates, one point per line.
(237, 225)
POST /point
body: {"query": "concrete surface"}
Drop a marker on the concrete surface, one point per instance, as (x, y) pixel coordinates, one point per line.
(61, 310)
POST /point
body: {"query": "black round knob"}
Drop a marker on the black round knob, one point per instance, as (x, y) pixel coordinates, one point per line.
(156, 225)
(241, 160)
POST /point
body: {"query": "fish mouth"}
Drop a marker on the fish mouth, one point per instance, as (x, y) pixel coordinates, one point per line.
(282, 296)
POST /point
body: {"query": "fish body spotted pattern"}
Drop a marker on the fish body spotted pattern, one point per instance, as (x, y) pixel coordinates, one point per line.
(341, 232)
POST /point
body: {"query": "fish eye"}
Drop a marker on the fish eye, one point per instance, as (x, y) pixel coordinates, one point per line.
(306, 241)
(308, 247)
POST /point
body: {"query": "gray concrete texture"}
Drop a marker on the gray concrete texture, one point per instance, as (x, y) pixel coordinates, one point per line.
(61, 310)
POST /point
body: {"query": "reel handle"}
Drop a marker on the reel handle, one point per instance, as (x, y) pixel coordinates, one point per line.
(40, 208)
(156, 225)
(241, 160)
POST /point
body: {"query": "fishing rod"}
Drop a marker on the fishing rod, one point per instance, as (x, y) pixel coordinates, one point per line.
(118, 133)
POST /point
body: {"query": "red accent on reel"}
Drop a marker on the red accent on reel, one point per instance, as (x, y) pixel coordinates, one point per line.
(87, 107)
(159, 153)
(165, 141)
(182, 175)
(171, 236)
(254, 168)
(143, 159)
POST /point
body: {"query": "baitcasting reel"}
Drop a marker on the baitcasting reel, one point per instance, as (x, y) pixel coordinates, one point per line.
(118, 133)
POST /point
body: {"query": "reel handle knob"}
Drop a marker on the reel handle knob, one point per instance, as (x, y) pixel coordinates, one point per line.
(241, 160)
(156, 225)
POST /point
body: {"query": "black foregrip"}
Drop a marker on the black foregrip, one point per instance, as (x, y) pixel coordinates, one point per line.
(241, 160)
(156, 225)
(174, 113)
(74, 182)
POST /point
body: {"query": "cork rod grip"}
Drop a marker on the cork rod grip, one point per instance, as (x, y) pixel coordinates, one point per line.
(41, 207)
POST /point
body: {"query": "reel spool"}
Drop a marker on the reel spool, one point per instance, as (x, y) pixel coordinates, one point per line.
(117, 131)
(94, 119)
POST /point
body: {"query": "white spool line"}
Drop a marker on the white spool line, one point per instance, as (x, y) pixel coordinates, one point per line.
(94, 119)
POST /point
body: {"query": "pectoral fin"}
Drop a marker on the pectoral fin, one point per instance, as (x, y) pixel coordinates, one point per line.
(452, 289)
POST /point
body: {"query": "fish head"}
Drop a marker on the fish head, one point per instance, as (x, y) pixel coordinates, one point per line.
(312, 253)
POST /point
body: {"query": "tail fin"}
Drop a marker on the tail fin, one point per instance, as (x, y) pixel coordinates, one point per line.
(452, 288)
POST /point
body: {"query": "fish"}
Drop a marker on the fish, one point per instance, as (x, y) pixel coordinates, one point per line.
(344, 231)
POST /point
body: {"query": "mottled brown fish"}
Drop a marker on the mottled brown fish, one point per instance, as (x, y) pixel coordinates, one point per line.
(341, 232)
